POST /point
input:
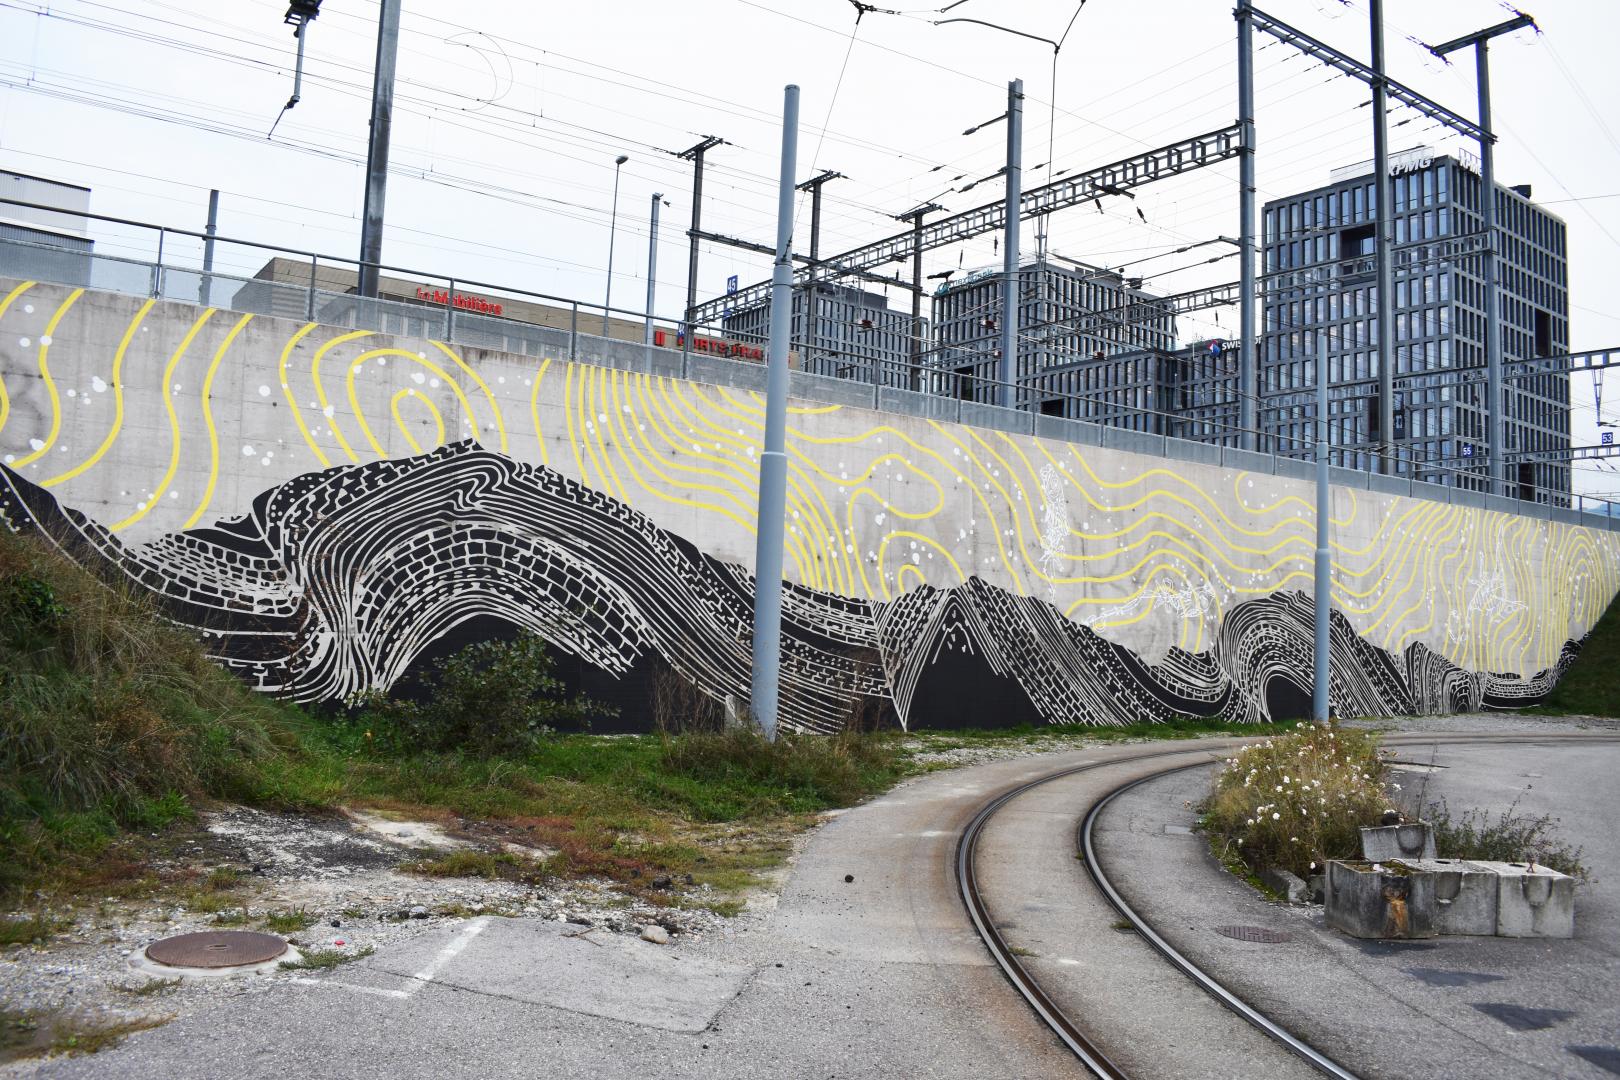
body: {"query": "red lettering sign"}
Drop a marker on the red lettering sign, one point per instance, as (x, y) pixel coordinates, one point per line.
(460, 300)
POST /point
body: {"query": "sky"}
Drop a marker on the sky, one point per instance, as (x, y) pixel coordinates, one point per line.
(509, 116)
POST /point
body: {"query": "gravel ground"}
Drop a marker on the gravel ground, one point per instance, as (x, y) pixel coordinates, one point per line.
(344, 872)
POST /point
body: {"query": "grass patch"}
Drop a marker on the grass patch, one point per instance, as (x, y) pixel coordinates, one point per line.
(491, 866)
(30, 929)
(1589, 687)
(73, 1037)
(110, 720)
(33, 1034)
(289, 922)
(324, 959)
(1296, 800)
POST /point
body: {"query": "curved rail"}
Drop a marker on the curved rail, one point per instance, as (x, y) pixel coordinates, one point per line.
(1026, 984)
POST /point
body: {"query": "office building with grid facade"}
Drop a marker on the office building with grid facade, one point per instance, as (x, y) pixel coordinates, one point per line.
(846, 333)
(1320, 273)
(1068, 315)
(1188, 393)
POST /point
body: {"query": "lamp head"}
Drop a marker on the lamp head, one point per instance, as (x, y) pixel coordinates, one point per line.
(621, 159)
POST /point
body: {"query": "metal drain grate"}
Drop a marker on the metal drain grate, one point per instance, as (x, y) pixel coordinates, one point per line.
(1262, 934)
(216, 949)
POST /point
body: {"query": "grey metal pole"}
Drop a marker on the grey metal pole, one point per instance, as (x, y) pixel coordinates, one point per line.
(652, 264)
(1009, 244)
(1383, 242)
(613, 229)
(812, 308)
(1248, 383)
(766, 690)
(696, 154)
(206, 294)
(382, 118)
(915, 381)
(1324, 564)
(1495, 407)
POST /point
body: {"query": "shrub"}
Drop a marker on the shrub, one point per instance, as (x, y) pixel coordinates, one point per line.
(490, 699)
(1513, 837)
(1296, 800)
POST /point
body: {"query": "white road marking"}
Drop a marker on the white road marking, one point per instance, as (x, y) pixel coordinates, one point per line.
(377, 990)
(448, 953)
(472, 929)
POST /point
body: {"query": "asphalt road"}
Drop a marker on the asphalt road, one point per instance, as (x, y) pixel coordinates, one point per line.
(882, 975)
(1463, 1007)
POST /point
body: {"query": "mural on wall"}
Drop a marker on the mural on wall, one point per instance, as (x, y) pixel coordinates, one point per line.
(324, 505)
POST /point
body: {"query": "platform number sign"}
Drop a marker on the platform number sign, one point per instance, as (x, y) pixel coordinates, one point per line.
(1468, 450)
(1606, 438)
(731, 284)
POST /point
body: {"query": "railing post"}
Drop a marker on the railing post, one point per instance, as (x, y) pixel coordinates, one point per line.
(573, 330)
(314, 260)
(450, 312)
(157, 267)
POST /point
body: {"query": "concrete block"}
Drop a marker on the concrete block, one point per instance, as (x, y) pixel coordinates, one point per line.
(1368, 900)
(1465, 895)
(1285, 884)
(1384, 843)
(1533, 902)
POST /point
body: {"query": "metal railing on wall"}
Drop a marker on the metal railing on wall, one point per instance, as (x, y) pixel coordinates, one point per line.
(929, 387)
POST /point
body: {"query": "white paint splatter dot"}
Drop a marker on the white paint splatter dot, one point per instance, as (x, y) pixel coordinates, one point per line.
(36, 444)
(98, 384)
(247, 451)
(44, 339)
(328, 411)
(28, 309)
(264, 391)
(434, 383)
(418, 378)
(72, 392)
(24, 342)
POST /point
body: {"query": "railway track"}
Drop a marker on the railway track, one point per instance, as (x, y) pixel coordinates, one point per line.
(1070, 1029)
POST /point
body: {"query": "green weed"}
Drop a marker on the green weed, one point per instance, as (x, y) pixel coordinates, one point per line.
(324, 959)
(30, 929)
(289, 922)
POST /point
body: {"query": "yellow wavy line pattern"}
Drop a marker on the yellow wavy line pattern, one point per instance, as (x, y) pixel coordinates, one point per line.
(1150, 553)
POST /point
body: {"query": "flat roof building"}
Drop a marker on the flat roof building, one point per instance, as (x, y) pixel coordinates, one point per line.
(1319, 262)
(847, 333)
(52, 244)
(1066, 314)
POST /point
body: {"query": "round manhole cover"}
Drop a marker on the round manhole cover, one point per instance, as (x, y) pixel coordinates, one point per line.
(1255, 933)
(216, 949)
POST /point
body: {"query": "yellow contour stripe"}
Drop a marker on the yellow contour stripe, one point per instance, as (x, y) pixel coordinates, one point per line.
(208, 421)
(174, 423)
(654, 463)
(410, 394)
(118, 398)
(292, 400)
(50, 383)
(489, 395)
(327, 411)
(5, 399)
(534, 411)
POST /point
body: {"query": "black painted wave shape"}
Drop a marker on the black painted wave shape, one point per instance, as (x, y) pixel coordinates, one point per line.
(337, 581)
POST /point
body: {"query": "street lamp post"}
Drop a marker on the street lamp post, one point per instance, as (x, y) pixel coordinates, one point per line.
(613, 225)
(652, 262)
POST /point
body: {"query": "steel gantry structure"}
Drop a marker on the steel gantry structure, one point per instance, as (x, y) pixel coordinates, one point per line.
(1115, 178)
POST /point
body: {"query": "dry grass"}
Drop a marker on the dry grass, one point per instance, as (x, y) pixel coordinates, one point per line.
(1295, 800)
